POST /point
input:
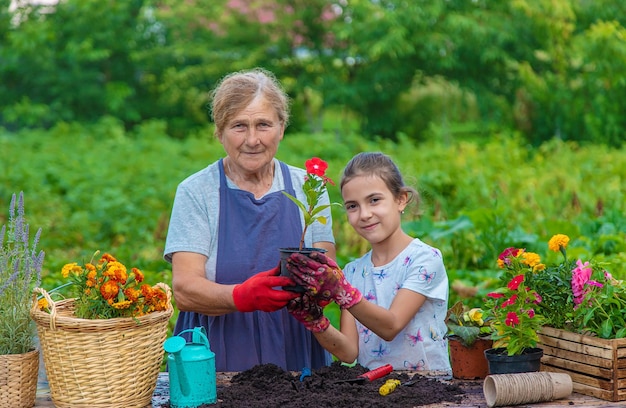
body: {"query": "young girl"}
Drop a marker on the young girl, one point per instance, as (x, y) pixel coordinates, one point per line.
(398, 291)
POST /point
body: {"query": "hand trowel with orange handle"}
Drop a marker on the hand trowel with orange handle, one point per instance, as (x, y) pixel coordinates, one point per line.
(369, 376)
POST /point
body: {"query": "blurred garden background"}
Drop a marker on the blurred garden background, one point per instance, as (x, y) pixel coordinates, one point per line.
(509, 117)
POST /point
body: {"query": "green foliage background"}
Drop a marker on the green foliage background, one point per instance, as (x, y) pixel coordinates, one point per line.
(542, 67)
(99, 187)
(508, 116)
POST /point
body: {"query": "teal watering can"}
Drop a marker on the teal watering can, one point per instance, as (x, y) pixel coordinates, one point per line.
(191, 369)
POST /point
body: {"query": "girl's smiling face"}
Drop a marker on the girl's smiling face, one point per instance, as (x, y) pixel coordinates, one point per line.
(372, 210)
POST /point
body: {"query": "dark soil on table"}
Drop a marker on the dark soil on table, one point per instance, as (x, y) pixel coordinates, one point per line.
(268, 386)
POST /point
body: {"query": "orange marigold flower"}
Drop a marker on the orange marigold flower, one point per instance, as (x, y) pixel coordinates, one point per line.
(531, 259)
(558, 242)
(42, 304)
(117, 272)
(160, 300)
(146, 291)
(124, 304)
(108, 258)
(138, 274)
(90, 267)
(109, 290)
(132, 294)
(91, 278)
(71, 267)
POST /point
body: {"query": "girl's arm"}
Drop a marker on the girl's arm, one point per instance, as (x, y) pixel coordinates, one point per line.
(343, 343)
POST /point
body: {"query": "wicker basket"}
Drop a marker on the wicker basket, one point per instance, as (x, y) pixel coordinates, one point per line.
(18, 379)
(98, 363)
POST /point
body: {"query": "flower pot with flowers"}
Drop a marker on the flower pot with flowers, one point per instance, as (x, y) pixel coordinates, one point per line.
(20, 273)
(469, 335)
(585, 329)
(106, 337)
(515, 321)
(579, 296)
(315, 191)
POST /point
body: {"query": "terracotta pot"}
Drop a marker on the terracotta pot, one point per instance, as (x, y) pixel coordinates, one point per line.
(469, 363)
(501, 363)
(284, 254)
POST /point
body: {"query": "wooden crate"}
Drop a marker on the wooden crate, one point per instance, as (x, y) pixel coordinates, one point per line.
(597, 366)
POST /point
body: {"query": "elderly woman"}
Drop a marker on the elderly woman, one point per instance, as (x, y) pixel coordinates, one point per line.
(228, 221)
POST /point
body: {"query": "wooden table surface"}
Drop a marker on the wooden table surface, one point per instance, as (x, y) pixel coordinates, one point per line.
(473, 397)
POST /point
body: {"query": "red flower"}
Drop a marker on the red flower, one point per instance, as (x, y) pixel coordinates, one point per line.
(316, 166)
(495, 295)
(510, 301)
(503, 258)
(515, 282)
(511, 319)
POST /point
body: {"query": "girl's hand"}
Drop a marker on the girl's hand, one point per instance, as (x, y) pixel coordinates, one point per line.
(323, 279)
(309, 313)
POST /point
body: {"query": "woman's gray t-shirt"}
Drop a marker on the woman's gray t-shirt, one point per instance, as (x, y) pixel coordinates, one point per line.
(194, 221)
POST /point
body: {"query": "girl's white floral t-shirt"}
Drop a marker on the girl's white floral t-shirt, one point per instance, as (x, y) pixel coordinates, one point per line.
(422, 344)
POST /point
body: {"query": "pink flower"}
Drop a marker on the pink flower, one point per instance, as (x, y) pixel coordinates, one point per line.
(580, 276)
(594, 283)
(504, 257)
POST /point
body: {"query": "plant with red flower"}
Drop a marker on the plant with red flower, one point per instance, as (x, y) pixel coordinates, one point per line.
(314, 188)
(512, 307)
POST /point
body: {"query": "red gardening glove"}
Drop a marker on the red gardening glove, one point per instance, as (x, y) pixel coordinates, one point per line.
(309, 313)
(323, 279)
(258, 293)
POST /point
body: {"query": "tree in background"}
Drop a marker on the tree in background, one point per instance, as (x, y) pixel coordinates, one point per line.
(544, 67)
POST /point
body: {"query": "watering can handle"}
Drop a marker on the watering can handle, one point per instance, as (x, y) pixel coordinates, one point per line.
(199, 335)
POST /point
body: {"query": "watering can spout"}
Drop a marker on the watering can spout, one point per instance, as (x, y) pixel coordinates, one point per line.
(192, 370)
(174, 346)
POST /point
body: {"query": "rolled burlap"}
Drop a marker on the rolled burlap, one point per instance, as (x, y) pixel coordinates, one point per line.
(525, 388)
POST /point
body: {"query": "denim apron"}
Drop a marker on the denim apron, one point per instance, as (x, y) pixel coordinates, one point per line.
(250, 233)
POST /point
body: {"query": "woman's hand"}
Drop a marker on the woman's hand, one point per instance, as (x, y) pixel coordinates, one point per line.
(258, 293)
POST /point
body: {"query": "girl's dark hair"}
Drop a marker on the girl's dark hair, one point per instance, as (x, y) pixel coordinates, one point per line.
(379, 165)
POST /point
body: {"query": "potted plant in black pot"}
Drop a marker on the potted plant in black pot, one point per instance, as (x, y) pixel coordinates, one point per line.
(515, 322)
(314, 188)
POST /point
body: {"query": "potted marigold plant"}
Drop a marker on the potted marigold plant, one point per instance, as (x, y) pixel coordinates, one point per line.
(469, 335)
(515, 320)
(109, 335)
(20, 273)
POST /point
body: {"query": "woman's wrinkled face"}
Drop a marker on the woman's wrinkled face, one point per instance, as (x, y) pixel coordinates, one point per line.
(251, 137)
